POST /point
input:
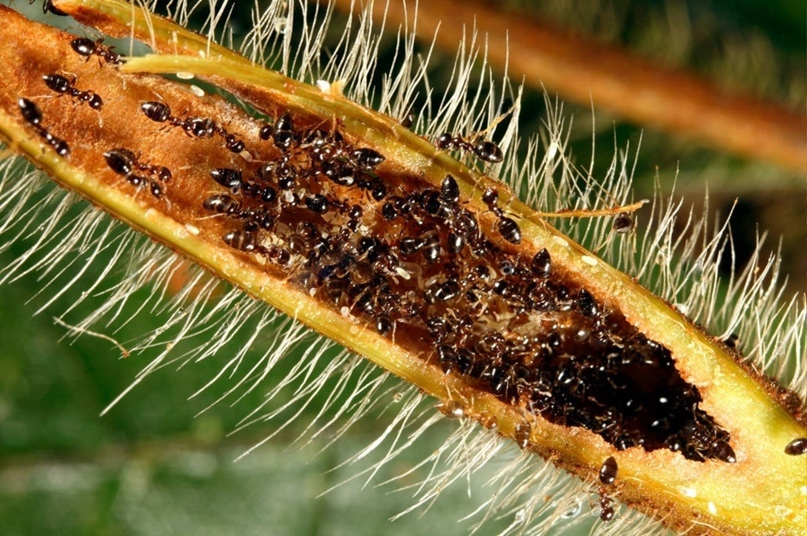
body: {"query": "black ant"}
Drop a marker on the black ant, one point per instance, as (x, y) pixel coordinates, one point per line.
(227, 177)
(30, 112)
(124, 162)
(367, 159)
(608, 470)
(87, 47)
(408, 120)
(63, 85)
(797, 447)
(199, 127)
(507, 227)
(607, 511)
(283, 133)
(47, 6)
(449, 190)
(33, 116)
(483, 149)
(255, 218)
(541, 263)
(623, 224)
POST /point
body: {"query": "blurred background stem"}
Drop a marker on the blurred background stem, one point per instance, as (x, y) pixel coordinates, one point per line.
(65, 470)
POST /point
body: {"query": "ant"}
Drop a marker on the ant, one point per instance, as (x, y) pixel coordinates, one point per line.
(33, 116)
(124, 162)
(623, 224)
(47, 6)
(608, 470)
(483, 149)
(62, 85)
(507, 227)
(87, 47)
(797, 447)
(200, 127)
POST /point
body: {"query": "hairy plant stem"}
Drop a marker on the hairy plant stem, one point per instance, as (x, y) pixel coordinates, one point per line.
(746, 407)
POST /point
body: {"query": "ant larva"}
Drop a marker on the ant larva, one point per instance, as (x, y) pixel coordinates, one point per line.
(87, 47)
(33, 116)
(62, 85)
